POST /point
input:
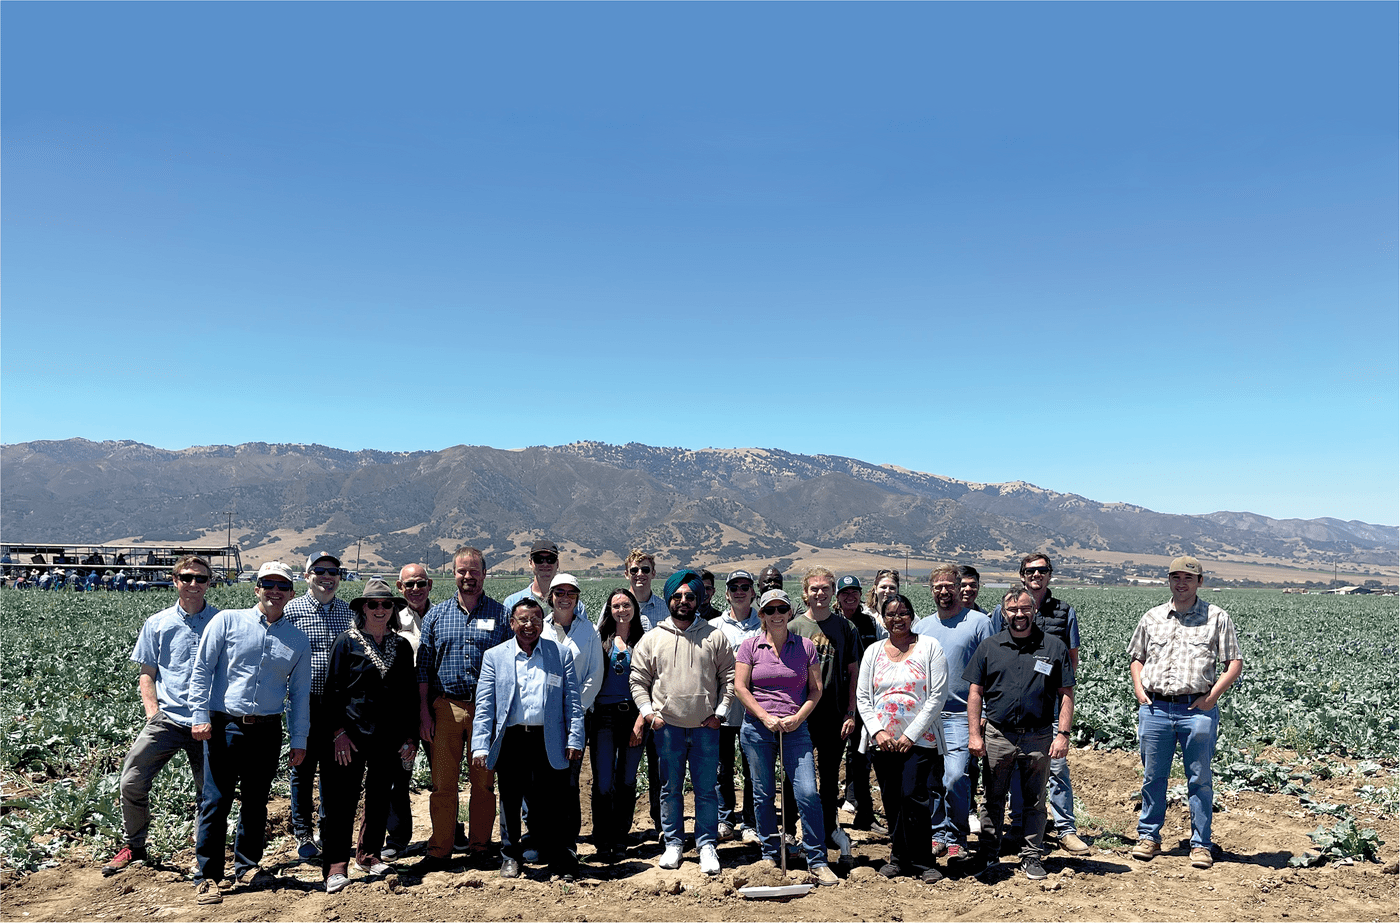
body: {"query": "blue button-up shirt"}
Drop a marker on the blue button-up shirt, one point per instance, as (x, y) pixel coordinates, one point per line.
(322, 623)
(167, 644)
(451, 643)
(530, 675)
(654, 612)
(246, 666)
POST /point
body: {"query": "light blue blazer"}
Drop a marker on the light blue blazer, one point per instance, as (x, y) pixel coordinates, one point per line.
(496, 690)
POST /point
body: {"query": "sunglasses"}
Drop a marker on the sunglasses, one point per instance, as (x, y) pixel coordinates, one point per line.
(562, 592)
(192, 578)
(322, 571)
(379, 604)
(685, 597)
(545, 558)
(776, 610)
(414, 584)
(1036, 570)
(280, 585)
(741, 588)
(639, 570)
(621, 664)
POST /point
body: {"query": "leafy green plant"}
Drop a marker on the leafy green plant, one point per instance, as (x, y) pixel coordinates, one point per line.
(1343, 841)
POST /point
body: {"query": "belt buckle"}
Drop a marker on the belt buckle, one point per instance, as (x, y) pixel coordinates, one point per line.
(248, 719)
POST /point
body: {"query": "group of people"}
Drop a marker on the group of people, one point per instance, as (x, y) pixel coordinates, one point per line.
(519, 690)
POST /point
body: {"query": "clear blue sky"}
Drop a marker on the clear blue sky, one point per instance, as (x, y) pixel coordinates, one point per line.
(1139, 252)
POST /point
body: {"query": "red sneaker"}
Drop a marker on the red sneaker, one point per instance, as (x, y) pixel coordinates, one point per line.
(122, 859)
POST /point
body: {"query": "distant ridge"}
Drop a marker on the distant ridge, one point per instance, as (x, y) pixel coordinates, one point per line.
(688, 505)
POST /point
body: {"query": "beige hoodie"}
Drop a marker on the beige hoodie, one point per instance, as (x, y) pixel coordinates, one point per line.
(685, 676)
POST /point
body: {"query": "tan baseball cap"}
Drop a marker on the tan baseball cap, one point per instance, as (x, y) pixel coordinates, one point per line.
(1186, 565)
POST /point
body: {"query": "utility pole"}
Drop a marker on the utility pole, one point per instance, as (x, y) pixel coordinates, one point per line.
(358, 542)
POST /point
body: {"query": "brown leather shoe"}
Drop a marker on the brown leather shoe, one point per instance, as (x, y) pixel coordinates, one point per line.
(1146, 849)
(1201, 858)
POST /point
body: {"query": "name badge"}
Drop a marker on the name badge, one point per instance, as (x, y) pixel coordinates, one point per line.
(1042, 667)
(555, 681)
(487, 624)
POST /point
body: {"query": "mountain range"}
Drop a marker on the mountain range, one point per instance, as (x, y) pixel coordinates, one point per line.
(717, 507)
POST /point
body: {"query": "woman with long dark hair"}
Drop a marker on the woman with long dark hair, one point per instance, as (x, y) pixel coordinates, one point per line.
(616, 731)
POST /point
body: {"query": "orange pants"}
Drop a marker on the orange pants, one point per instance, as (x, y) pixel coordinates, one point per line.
(452, 734)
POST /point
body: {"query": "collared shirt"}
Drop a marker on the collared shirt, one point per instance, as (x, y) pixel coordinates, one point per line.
(1179, 650)
(580, 639)
(580, 610)
(410, 626)
(1020, 678)
(1044, 611)
(246, 666)
(959, 637)
(168, 642)
(736, 633)
(530, 678)
(452, 642)
(654, 612)
(779, 680)
(322, 624)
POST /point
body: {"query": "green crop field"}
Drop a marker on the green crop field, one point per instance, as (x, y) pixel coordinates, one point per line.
(1320, 680)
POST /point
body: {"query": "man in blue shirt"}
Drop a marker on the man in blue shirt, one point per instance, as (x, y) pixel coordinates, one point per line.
(958, 630)
(251, 664)
(322, 618)
(165, 649)
(455, 635)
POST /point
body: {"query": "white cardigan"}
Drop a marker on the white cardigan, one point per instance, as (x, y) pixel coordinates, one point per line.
(928, 652)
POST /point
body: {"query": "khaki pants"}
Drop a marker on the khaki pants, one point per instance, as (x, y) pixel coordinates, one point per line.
(452, 734)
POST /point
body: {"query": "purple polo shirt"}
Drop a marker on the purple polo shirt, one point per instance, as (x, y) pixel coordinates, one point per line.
(778, 681)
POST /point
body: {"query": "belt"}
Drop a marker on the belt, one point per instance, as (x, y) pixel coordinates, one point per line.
(251, 719)
(1186, 698)
(527, 728)
(468, 699)
(1014, 730)
(620, 706)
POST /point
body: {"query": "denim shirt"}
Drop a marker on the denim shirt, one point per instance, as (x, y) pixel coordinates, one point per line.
(246, 666)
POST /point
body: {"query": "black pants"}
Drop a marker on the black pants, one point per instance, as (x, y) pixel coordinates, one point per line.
(523, 766)
(375, 763)
(242, 758)
(828, 748)
(907, 782)
(857, 790)
(305, 811)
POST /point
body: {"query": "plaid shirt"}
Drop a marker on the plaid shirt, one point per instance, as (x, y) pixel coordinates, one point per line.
(321, 625)
(452, 641)
(1179, 650)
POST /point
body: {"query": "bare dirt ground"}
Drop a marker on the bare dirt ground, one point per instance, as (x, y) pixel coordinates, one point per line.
(1259, 833)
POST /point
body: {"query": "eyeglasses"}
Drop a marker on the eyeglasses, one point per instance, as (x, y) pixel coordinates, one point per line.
(414, 584)
(776, 610)
(322, 571)
(1019, 610)
(527, 619)
(1036, 570)
(545, 558)
(379, 604)
(644, 569)
(192, 578)
(280, 585)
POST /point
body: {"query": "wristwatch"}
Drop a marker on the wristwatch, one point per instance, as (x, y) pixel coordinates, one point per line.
(1059, 732)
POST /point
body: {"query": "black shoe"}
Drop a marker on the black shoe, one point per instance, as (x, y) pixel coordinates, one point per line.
(459, 839)
(429, 864)
(1033, 869)
(510, 868)
(308, 848)
(606, 855)
(930, 875)
(893, 870)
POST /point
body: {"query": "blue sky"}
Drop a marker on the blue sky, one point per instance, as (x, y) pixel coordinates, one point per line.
(1139, 252)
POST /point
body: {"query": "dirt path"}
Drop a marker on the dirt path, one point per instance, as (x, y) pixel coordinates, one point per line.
(1259, 833)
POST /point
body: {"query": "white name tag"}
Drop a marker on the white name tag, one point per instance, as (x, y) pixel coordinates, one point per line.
(1042, 667)
(555, 681)
(487, 624)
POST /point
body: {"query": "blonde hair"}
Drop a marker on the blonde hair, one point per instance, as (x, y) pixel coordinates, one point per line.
(814, 572)
(637, 555)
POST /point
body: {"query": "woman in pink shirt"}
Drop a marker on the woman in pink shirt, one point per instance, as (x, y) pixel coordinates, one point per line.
(778, 678)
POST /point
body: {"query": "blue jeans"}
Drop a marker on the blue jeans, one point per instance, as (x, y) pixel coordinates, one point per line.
(615, 764)
(761, 747)
(1161, 727)
(303, 776)
(949, 808)
(677, 747)
(236, 753)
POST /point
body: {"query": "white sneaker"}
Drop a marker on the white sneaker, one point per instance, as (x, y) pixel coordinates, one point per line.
(709, 860)
(671, 858)
(750, 835)
(848, 806)
(974, 824)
